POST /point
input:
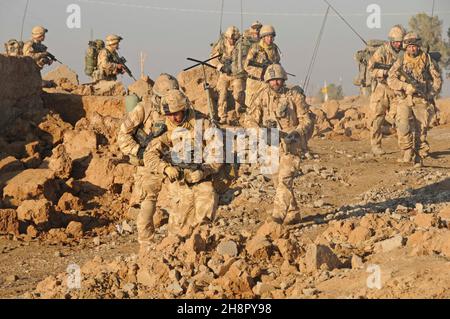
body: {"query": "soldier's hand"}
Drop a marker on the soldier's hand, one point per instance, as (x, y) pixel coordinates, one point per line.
(120, 68)
(193, 177)
(410, 89)
(172, 173)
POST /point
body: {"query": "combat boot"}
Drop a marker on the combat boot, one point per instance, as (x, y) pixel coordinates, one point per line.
(407, 156)
(377, 150)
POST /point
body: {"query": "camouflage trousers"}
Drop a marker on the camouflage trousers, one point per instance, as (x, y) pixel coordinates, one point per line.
(285, 204)
(382, 107)
(146, 190)
(238, 88)
(413, 119)
(191, 206)
(251, 88)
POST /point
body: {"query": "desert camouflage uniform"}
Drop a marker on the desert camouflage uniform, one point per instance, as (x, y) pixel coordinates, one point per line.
(107, 69)
(235, 78)
(37, 51)
(191, 205)
(381, 101)
(259, 53)
(145, 118)
(289, 110)
(414, 112)
(13, 48)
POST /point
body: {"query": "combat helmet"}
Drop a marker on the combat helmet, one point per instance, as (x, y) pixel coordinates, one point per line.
(267, 30)
(163, 83)
(38, 31)
(396, 33)
(174, 101)
(113, 39)
(275, 71)
(232, 32)
(411, 38)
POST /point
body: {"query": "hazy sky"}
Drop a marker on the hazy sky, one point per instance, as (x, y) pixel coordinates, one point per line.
(171, 30)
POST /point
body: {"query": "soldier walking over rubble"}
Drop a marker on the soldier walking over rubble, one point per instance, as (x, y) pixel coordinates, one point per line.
(416, 79)
(259, 57)
(277, 107)
(382, 105)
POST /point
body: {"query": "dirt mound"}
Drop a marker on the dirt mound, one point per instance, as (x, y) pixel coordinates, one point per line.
(347, 118)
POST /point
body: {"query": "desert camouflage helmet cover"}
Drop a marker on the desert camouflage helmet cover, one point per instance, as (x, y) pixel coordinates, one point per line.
(411, 38)
(173, 101)
(275, 71)
(396, 33)
(267, 30)
(232, 32)
(113, 39)
(38, 31)
(256, 25)
(163, 83)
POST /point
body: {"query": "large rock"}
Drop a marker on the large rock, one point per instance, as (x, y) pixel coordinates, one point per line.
(389, 244)
(142, 87)
(10, 164)
(191, 82)
(9, 224)
(79, 144)
(100, 172)
(69, 202)
(62, 72)
(331, 109)
(109, 88)
(259, 247)
(318, 255)
(72, 107)
(36, 211)
(53, 128)
(31, 184)
(60, 162)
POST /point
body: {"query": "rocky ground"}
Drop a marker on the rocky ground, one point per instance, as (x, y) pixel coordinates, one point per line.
(372, 228)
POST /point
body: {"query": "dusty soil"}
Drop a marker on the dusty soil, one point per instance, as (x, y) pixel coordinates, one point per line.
(356, 172)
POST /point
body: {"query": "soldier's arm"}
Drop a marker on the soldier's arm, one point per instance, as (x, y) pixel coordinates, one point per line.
(154, 154)
(38, 57)
(216, 62)
(436, 75)
(277, 56)
(253, 118)
(104, 64)
(127, 143)
(305, 122)
(393, 79)
(377, 57)
(251, 56)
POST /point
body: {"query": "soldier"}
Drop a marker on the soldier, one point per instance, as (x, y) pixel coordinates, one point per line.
(190, 186)
(35, 49)
(133, 138)
(231, 74)
(382, 97)
(416, 80)
(252, 33)
(261, 54)
(13, 48)
(107, 62)
(276, 106)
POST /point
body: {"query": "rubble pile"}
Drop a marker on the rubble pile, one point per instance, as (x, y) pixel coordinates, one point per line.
(63, 179)
(268, 261)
